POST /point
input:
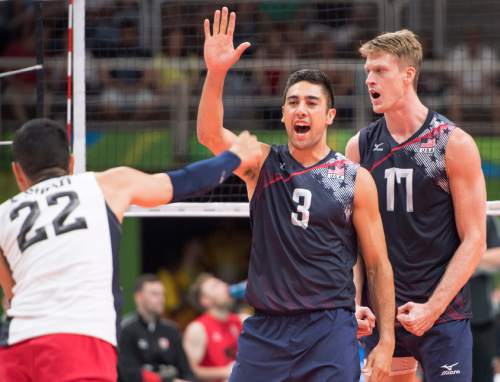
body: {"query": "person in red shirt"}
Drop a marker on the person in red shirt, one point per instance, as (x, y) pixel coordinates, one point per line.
(211, 340)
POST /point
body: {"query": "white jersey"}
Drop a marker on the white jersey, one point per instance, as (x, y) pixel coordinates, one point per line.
(60, 240)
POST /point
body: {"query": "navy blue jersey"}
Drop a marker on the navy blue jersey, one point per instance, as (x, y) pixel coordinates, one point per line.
(416, 208)
(303, 241)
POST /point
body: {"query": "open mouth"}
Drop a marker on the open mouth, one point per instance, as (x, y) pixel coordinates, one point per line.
(374, 94)
(301, 129)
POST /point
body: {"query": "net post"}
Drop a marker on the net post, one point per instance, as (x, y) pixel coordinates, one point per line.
(78, 62)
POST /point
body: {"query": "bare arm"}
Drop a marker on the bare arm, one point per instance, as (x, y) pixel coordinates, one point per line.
(352, 149)
(368, 224)
(468, 192)
(359, 279)
(364, 316)
(195, 345)
(123, 186)
(6, 280)
(220, 55)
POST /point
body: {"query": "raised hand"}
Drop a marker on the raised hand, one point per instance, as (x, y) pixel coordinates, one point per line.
(219, 52)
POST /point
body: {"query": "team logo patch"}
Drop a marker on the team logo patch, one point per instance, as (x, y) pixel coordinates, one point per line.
(216, 337)
(163, 343)
(234, 330)
(337, 172)
(448, 369)
(142, 344)
(428, 146)
(378, 146)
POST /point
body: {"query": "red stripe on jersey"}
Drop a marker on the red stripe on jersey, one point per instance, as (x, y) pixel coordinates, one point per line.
(430, 134)
(293, 174)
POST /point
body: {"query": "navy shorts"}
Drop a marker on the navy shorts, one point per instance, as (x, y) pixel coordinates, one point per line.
(444, 352)
(316, 346)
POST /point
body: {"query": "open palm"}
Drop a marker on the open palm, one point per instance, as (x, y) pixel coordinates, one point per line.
(219, 51)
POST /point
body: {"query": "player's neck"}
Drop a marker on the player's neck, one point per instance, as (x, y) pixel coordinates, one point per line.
(310, 156)
(405, 119)
(219, 314)
(148, 318)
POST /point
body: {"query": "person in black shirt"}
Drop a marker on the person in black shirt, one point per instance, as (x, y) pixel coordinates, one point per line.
(150, 348)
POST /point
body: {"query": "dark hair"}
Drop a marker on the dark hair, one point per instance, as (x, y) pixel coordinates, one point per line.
(195, 290)
(314, 77)
(41, 146)
(144, 279)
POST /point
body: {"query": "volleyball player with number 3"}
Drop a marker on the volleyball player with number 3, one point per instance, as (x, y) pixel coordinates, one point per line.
(309, 207)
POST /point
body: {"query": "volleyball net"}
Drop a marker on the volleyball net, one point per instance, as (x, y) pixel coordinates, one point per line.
(126, 77)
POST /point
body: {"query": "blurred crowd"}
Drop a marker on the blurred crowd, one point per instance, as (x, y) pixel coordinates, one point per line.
(143, 59)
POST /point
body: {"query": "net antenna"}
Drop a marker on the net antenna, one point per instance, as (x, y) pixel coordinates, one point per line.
(493, 208)
(10, 74)
(77, 121)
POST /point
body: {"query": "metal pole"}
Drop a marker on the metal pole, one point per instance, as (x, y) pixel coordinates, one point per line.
(40, 101)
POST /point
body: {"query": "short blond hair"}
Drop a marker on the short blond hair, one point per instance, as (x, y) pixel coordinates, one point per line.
(403, 44)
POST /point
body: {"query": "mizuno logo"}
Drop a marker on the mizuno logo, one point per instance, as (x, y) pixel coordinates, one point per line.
(378, 146)
(448, 369)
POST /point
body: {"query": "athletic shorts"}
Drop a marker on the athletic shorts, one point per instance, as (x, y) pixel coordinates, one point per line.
(318, 346)
(444, 352)
(59, 357)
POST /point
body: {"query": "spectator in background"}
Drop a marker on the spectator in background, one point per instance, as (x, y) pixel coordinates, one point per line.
(472, 67)
(128, 90)
(175, 77)
(211, 341)
(20, 91)
(483, 315)
(150, 348)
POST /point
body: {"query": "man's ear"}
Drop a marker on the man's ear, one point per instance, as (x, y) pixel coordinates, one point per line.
(22, 179)
(411, 72)
(331, 115)
(71, 164)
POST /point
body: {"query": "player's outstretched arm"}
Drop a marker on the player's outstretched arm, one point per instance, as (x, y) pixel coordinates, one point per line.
(220, 55)
(368, 224)
(123, 186)
(468, 191)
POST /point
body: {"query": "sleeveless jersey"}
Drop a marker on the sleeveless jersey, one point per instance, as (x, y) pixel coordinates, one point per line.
(222, 339)
(416, 208)
(303, 241)
(60, 240)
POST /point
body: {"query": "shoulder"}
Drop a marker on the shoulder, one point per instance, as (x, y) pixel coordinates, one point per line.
(195, 328)
(460, 144)
(352, 148)
(365, 193)
(342, 160)
(129, 321)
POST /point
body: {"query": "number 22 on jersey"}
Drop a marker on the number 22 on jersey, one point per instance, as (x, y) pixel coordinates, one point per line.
(59, 223)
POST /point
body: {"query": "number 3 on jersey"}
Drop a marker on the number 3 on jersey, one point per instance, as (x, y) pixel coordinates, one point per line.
(59, 222)
(393, 175)
(301, 220)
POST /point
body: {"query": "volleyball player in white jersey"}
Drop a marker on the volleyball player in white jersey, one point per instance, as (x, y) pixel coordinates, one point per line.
(58, 251)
